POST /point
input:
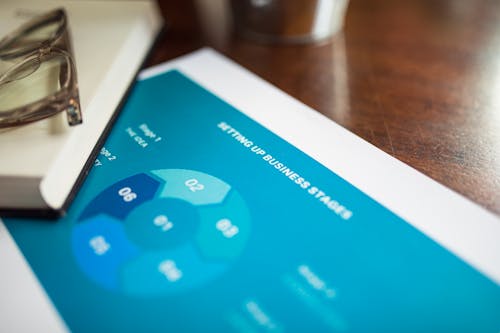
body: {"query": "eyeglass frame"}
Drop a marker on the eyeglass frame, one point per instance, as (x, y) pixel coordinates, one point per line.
(59, 44)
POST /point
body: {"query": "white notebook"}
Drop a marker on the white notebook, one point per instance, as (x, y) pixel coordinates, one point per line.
(41, 170)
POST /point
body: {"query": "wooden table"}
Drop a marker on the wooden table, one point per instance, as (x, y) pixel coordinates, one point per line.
(420, 79)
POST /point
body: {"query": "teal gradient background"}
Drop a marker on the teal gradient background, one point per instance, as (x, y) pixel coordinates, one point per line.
(387, 276)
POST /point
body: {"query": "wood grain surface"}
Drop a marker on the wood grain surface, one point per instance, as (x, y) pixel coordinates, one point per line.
(420, 79)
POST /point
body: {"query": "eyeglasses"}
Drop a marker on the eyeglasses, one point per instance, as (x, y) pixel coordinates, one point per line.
(41, 77)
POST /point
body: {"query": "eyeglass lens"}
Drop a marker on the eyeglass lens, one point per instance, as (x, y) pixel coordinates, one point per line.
(33, 81)
(40, 80)
(30, 39)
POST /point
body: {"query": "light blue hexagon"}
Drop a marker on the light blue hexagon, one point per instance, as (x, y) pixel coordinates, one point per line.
(195, 187)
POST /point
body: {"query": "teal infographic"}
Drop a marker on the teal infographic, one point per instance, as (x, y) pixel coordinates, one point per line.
(195, 218)
(169, 225)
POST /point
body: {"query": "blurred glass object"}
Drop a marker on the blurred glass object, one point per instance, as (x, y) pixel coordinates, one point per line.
(288, 21)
